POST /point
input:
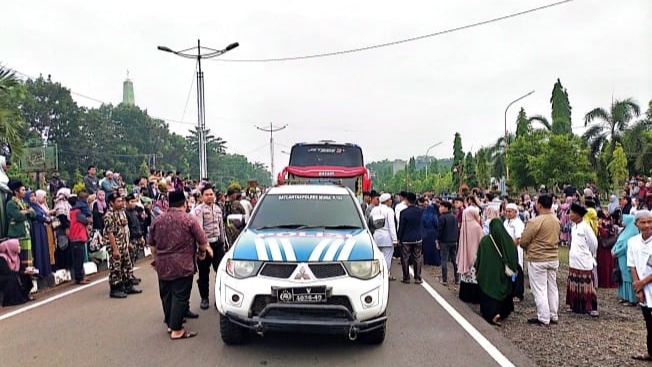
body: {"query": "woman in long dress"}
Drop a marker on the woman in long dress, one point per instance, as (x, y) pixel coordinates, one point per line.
(606, 232)
(63, 259)
(625, 291)
(470, 235)
(496, 250)
(19, 214)
(40, 248)
(564, 236)
(430, 222)
(14, 283)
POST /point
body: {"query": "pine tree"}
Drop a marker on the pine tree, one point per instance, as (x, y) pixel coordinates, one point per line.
(523, 126)
(618, 167)
(469, 170)
(561, 110)
(482, 168)
(458, 160)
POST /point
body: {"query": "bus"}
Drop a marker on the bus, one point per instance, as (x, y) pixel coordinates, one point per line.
(326, 162)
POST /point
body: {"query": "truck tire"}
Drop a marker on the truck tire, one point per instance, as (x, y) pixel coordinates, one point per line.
(231, 333)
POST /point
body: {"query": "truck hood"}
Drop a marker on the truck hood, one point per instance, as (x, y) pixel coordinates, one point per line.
(304, 245)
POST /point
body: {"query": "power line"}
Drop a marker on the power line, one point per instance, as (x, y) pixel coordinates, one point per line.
(394, 43)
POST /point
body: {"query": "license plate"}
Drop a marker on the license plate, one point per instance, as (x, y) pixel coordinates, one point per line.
(302, 295)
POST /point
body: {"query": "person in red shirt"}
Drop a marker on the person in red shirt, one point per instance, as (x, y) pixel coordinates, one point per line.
(78, 236)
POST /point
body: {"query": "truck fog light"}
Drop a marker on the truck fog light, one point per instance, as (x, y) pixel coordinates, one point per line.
(235, 298)
(368, 299)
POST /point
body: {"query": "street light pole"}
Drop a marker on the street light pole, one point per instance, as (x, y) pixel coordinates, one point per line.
(427, 161)
(201, 105)
(271, 130)
(506, 139)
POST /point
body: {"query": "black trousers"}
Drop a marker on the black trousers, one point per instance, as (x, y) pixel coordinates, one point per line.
(78, 251)
(175, 295)
(647, 314)
(411, 254)
(204, 267)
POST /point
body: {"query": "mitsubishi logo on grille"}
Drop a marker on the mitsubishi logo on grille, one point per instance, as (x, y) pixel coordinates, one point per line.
(302, 274)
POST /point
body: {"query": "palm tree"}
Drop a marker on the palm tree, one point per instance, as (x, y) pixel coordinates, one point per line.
(496, 155)
(11, 120)
(542, 120)
(214, 145)
(611, 125)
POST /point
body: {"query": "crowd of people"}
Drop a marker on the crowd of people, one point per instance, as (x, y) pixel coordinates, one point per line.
(488, 238)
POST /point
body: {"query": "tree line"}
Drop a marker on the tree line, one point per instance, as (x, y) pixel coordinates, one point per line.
(122, 138)
(544, 151)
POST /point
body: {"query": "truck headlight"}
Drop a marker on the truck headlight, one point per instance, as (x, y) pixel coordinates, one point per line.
(242, 268)
(363, 269)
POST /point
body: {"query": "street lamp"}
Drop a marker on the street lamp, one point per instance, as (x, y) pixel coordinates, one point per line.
(427, 162)
(506, 140)
(201, 107)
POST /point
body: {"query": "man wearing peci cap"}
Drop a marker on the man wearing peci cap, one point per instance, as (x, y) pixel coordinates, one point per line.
(410, 236)
(639, 252)
(385, 237)
(177, 241)
(232, 206)
(581, 296)
(514, 227)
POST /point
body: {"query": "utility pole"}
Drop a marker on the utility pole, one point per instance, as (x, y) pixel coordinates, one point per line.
(201, 105)
(271, 130)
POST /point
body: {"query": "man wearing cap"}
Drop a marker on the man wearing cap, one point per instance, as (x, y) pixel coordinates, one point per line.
(639, 261)
(108, 183)
(366, 199)
(539, 240)
(410, 236)
(581, 296)
(374, 201)
(385, 237)
(209, 215)
(116, 229)
(177, 239)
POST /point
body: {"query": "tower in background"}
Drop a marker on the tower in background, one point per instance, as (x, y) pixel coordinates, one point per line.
(128, 92)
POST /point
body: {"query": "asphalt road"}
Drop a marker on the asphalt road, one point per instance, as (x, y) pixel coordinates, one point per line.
(87, 328)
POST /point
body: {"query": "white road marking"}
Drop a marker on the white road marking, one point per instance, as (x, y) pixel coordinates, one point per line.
(288, 249)
(52, 299)
(316, 252)
(332, 250)
(346, 250)
(274, 249)
(261, 249)
(491, 349)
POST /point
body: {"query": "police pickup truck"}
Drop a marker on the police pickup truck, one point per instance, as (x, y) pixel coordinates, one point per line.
(305, 262)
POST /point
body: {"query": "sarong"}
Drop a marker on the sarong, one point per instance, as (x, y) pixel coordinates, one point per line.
(580, 291)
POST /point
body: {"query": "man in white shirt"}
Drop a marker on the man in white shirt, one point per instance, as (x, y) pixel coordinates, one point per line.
(581, 296)
(639, 261)
(514, 226)
(402, 205)
(385, 237)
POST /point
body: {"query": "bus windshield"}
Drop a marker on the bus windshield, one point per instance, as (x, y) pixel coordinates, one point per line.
(307, 155)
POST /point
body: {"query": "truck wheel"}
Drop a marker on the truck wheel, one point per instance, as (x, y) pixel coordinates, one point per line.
(376, 336)
(231, 333)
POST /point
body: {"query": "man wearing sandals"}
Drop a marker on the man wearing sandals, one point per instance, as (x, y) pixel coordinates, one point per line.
(172, 239)
(639, 261)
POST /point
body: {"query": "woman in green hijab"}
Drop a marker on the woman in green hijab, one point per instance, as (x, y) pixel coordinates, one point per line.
(496, 254)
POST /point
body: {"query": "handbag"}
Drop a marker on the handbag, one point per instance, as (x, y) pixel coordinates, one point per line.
(608, 241)
(95, 243)
(616, 275)
(508, 271)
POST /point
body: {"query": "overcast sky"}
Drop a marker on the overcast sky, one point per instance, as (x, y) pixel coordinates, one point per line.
(395, 102)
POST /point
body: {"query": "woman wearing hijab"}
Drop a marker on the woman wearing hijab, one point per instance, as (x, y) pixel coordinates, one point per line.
(41, 200)
(40, 248)
(564, 236)
(625, 291)
(430, 223)
(14, 283)
(470, 235)
(19, 215)
(490, 212)
(614, 209)
(495, 254)
(99, 209)
(62, 207)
